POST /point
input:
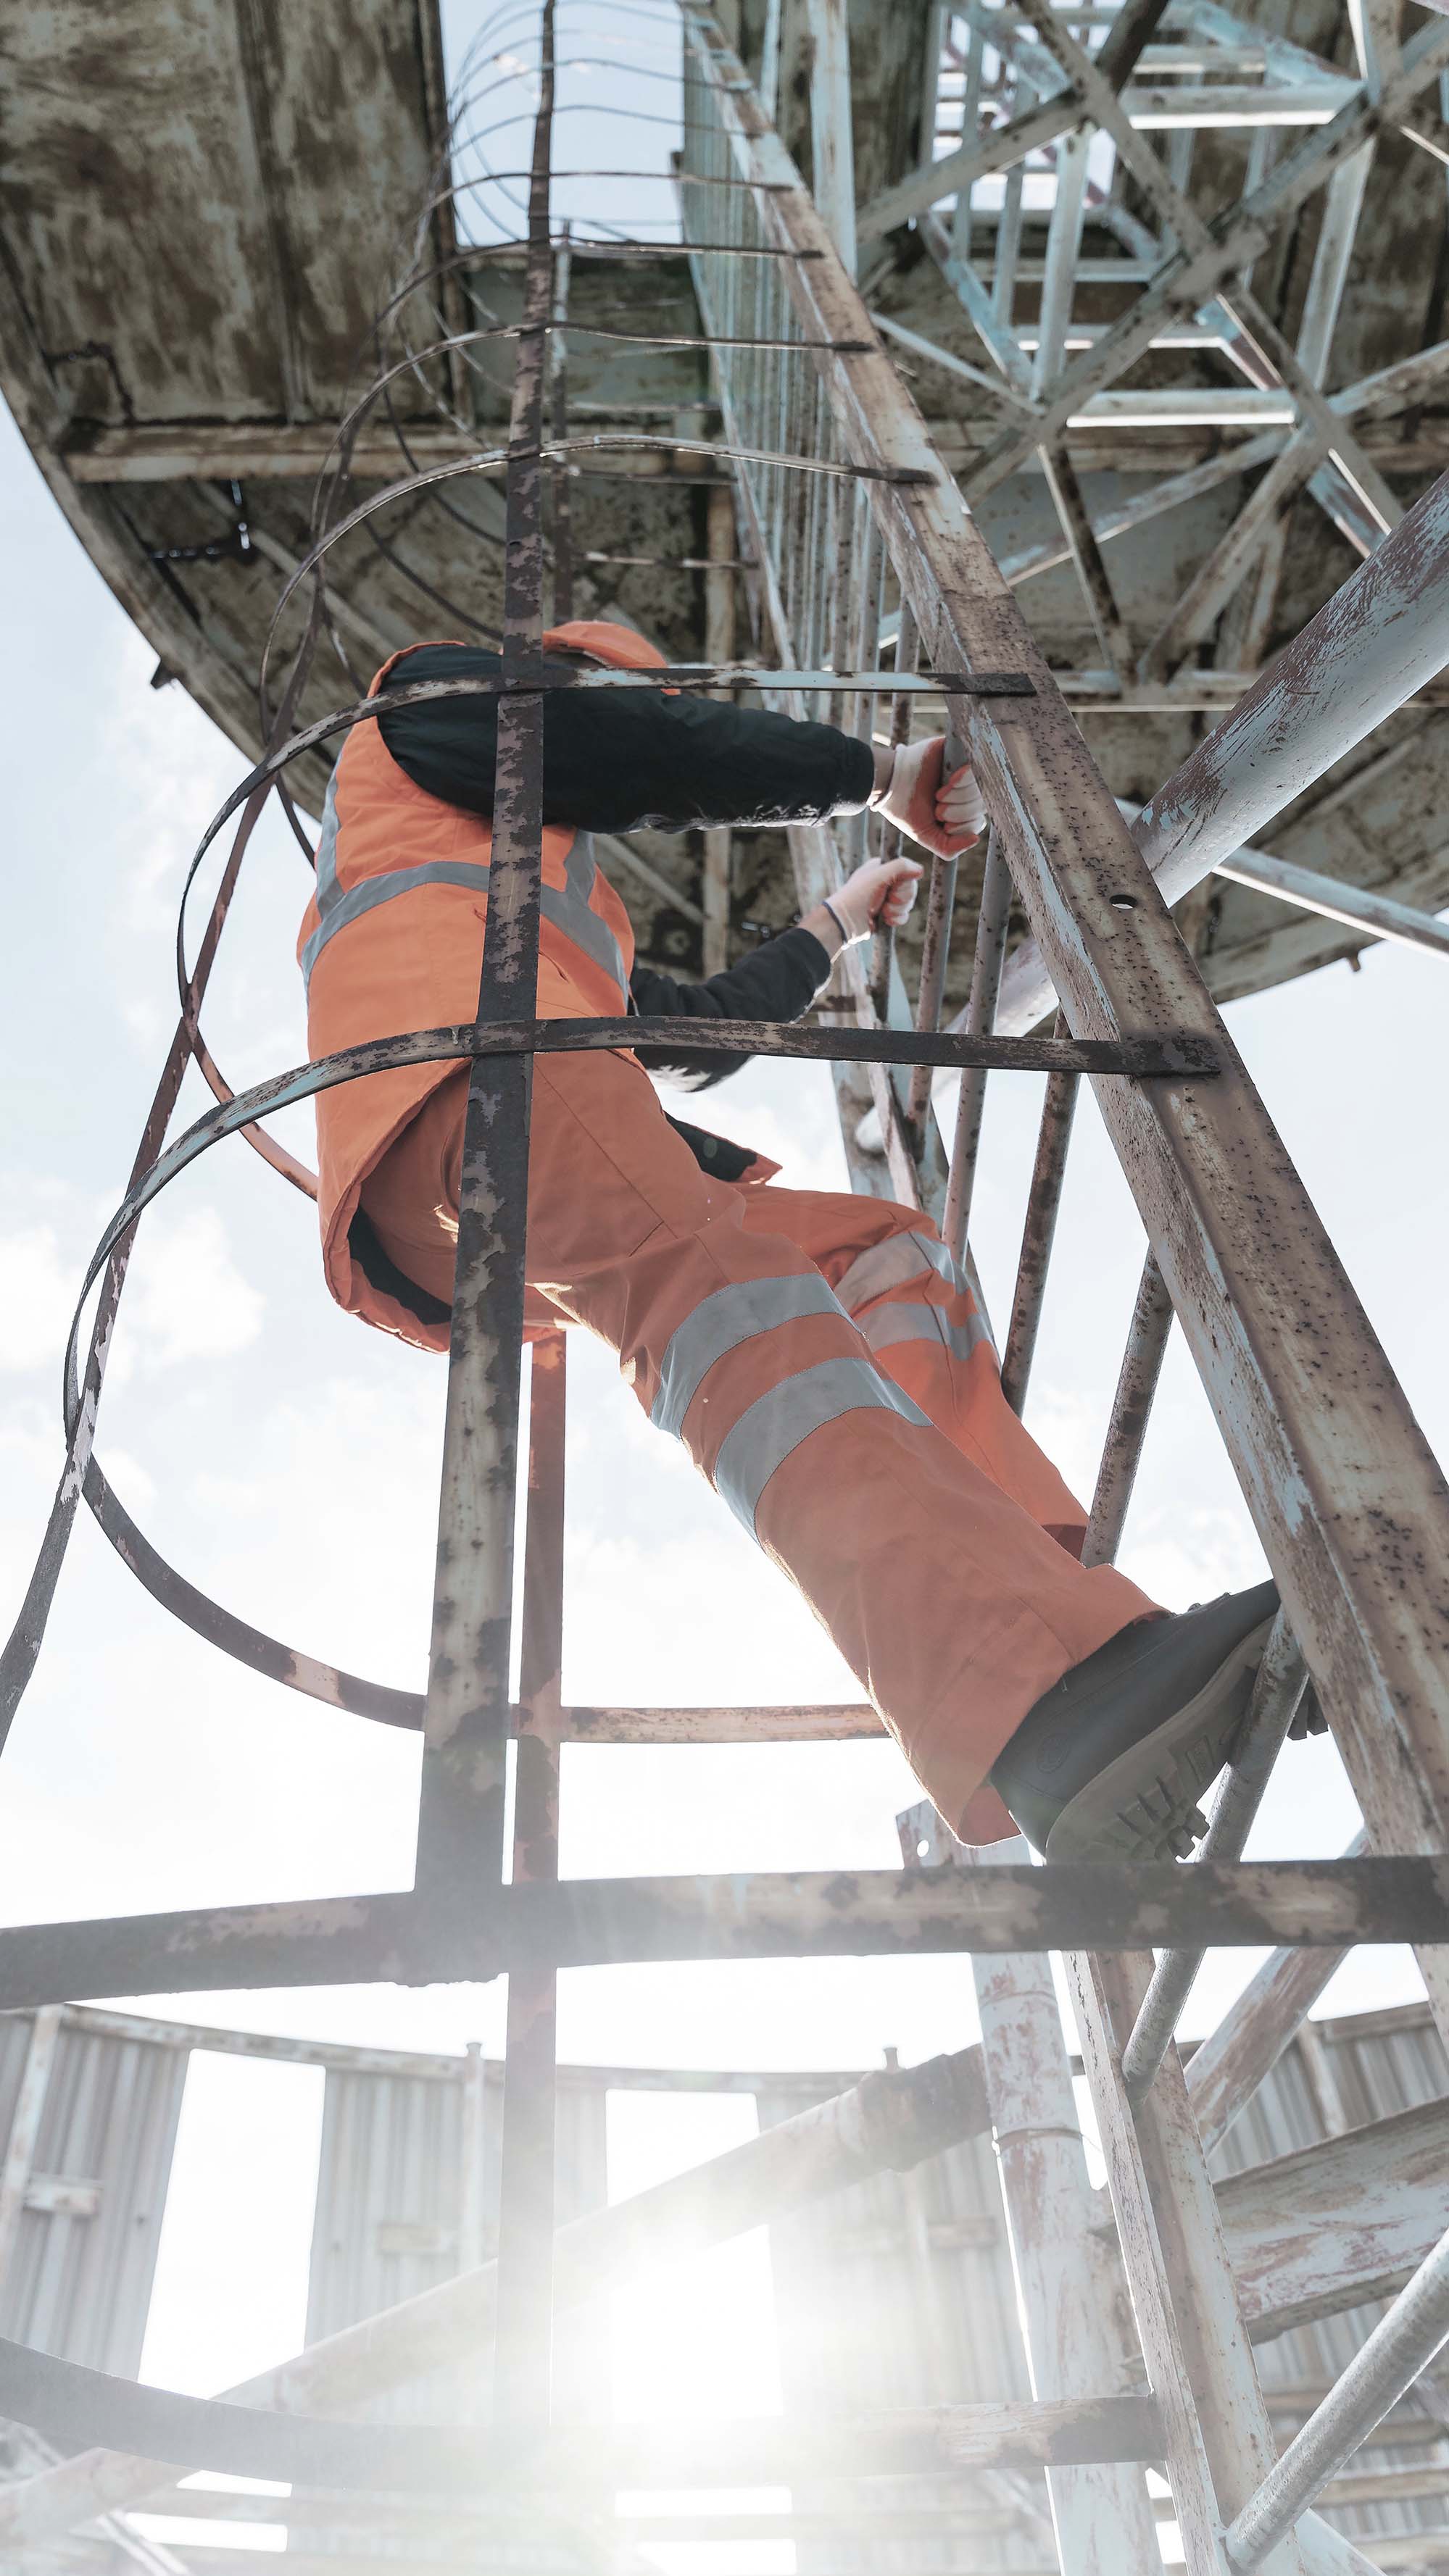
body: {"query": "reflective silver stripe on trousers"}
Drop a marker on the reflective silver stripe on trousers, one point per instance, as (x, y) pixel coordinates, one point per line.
(776, 1423)
(720, 1323)
(567, 906)
(891, 1324)
(886, 1265)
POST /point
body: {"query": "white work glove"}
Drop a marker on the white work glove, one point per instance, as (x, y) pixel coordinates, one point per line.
(880, 894)
(944, 814)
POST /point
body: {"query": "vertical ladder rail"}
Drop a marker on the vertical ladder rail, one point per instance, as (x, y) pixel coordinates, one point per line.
(466, 1713)
(1142, 1360)
(523, 2346)
(992, 923)
(1038, 1233)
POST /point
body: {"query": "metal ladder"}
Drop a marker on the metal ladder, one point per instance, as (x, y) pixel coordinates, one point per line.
(855, 533)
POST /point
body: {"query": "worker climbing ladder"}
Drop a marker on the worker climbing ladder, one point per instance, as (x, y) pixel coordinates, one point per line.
(877, 587)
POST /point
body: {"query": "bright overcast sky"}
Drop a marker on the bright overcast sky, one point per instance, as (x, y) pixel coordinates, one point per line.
(286, 1459)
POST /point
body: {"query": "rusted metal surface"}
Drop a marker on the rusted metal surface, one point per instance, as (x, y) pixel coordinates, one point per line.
(460, 1818)
(107, 403)
(1131, 1410)
(384, 1938)
(1217, 2431)
(523, 2349)
(1263, 2211)
(991, 928)
(1044, 1199)
(840, 472)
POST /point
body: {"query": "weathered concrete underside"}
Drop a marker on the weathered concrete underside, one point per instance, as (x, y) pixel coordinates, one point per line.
(199, 217)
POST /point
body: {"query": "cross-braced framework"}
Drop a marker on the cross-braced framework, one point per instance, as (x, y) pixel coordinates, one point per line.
(875, 589)
(1046, 118)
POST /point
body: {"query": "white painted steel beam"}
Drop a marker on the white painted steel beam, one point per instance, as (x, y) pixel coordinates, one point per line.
(1384, 633)
(1226, 2071)
(17, 2170)
(1191, 278)
(1182, 223)
(1358, 907)
(831, 141)
(1400, 2346)
(1162, 109)
(1149, 110)
(1074, 2325)
(1334, 2225)
(1219, 2439)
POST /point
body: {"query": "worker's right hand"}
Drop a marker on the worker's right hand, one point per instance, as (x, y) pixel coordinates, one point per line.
(945, 814)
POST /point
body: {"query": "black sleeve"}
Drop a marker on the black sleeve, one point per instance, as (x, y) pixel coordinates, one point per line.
(777, 981)
(617, 759)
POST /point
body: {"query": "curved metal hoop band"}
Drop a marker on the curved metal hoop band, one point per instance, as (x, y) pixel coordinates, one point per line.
(90, 2409)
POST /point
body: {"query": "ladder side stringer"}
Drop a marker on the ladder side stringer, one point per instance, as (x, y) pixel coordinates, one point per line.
(1345, 1492)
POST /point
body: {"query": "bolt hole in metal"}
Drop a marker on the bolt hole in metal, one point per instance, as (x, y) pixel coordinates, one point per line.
(1123, 902)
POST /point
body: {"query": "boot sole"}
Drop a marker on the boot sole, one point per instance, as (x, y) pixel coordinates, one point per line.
(1144, 1803)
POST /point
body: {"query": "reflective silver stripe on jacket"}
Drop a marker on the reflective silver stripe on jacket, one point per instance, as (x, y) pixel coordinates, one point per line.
(886, 1265)
(891, 1324)
(566, 906)
(720, 1323)
(372, 891)
(776, 1423)
(569, 910)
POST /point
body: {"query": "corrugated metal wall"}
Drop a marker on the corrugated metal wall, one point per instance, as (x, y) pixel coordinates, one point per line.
(1338, 2075)
(390, 2203)
(81, 2286)
(899, 2293)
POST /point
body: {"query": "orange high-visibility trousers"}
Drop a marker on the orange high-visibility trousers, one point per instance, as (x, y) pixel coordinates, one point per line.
(823, 1362)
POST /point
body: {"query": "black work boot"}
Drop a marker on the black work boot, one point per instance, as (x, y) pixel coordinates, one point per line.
(1110, 1762)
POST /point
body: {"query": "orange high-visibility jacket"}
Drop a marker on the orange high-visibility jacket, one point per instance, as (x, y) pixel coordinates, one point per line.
(393, 941)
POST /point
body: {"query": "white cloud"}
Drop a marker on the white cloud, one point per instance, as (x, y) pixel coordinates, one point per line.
(37, 1292)
(133, 1483)
(190, 1301)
